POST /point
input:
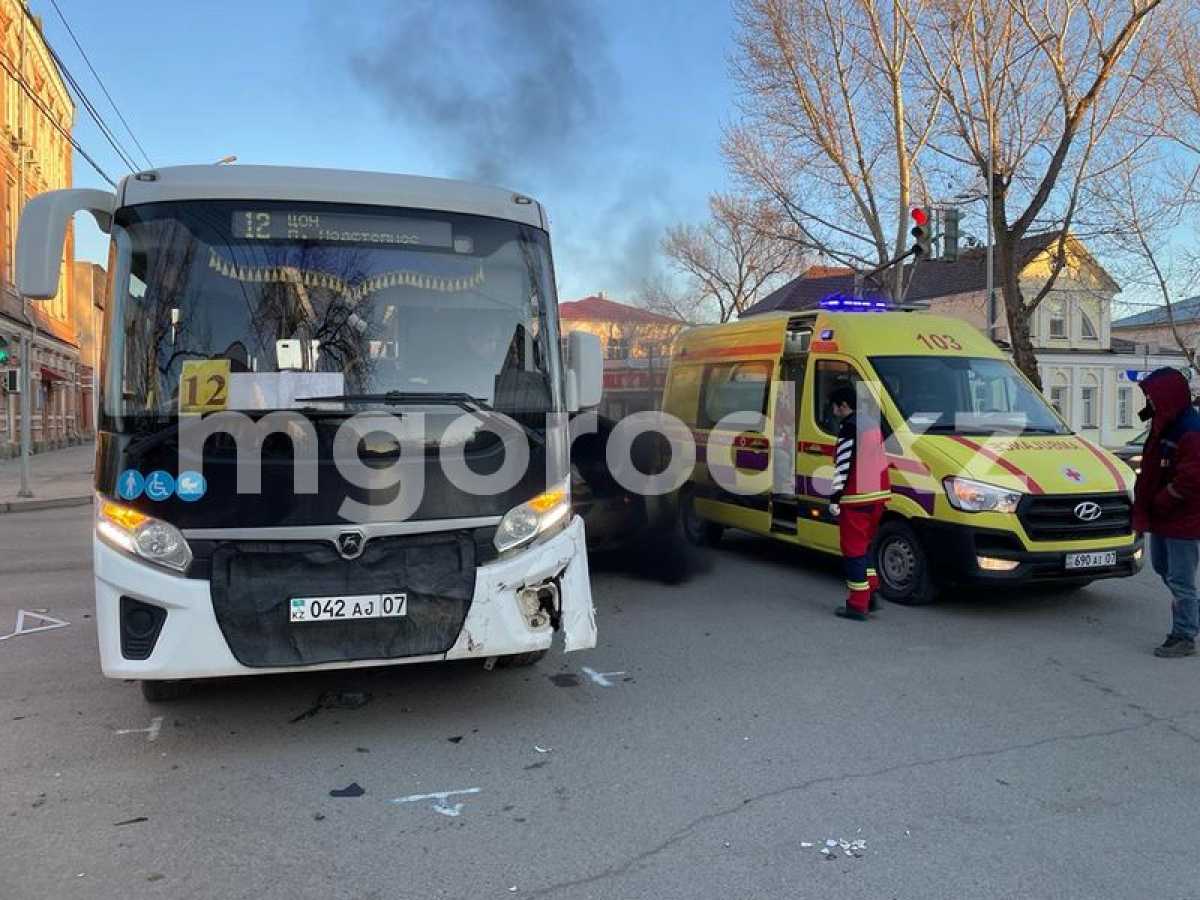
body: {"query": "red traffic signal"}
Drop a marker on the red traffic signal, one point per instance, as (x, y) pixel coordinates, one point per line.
(920, 216)
(920, 232)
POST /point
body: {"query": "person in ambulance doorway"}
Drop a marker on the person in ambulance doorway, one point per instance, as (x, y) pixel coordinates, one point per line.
(1166, 502)
(861, 489)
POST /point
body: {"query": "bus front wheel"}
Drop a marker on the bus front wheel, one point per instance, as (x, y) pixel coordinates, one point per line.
(902, 565)
(164, 691)
(698, 531)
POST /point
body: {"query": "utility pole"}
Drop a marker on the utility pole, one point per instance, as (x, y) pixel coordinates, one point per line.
(27, 341)
(991, 201)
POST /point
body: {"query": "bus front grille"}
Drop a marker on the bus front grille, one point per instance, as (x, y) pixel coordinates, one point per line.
(253, 583)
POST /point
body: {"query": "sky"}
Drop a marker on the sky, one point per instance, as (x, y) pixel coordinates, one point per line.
(609, 112)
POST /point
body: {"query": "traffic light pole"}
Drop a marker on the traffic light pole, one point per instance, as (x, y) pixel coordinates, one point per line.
(26, 377)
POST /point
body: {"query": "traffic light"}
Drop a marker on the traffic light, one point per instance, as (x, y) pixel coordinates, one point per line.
(950, 233)
(920, 232)
(4, 353)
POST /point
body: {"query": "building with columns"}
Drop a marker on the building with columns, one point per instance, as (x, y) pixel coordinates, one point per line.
(36, 115)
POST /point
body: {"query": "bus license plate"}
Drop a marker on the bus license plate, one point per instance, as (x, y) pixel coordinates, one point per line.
(357, 606)
(1091, 560)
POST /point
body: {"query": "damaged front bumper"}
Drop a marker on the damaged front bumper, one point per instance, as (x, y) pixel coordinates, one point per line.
(518, 603)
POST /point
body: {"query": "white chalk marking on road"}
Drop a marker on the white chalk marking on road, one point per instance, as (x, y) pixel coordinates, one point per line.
(20, 628)
(439, 801)
(151, 732)
(601, 678)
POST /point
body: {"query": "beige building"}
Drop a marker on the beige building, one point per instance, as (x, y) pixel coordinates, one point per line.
(636, 344)
(36, 114)
(1088, 373)
(1152, 330)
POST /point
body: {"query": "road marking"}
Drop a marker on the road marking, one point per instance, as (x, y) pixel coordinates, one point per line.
(20, 628)
(601, 678)
(151, 732)
(439, 801)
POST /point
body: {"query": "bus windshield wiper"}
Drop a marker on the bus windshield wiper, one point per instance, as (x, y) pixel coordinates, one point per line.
(462, 400)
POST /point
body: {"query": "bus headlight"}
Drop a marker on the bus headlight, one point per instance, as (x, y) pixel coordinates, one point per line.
(975, 496)
(523, 523)
(142, 535)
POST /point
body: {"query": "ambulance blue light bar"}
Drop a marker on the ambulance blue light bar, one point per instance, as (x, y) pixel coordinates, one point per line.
(845, 303)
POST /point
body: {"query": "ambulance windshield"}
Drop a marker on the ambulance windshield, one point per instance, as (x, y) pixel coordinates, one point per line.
(965, 395)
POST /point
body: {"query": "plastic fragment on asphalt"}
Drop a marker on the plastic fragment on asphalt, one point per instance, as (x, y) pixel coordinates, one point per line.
(541, 749)
(353, 789)
(831, 843)
(806, 843)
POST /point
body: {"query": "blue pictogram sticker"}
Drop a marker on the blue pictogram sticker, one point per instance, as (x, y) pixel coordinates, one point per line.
(190, 486)
(159, 485)
(130, 484)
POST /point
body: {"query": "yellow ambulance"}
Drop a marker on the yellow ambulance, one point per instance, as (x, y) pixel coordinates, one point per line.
(989, 485)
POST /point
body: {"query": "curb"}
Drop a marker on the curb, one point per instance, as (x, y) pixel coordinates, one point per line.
(18, 506)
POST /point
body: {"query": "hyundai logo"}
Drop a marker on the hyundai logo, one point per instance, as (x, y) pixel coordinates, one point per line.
(1087, 511)
(350, 544)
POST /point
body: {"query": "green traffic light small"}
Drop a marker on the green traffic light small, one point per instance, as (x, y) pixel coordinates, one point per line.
(3, 351)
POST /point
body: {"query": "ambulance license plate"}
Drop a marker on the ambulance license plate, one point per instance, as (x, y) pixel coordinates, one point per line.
(354, 606)
(1091, 560)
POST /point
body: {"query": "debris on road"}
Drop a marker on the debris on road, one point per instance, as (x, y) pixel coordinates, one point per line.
(541, 749)
(318, 817)
(353, 789)
(457, 739)
(854, 848)
(134, 821)
(439, 799)
(334, 700)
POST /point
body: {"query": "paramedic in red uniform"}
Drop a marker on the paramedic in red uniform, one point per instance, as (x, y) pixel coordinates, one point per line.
(861, 489)
(1166, 500)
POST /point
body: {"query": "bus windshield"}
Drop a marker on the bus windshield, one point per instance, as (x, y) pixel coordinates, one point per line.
(299, 300)
(964, 395)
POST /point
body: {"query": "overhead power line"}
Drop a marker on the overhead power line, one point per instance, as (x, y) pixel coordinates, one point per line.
(90, 107)
(32, 95)
(100, 82)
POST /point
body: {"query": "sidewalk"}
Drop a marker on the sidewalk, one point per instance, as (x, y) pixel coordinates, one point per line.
(57, 477)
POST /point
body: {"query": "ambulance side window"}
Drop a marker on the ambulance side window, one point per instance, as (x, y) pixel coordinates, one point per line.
(830, 374)
(731, 388)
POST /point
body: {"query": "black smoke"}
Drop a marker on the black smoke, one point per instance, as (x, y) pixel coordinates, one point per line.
(506, 86)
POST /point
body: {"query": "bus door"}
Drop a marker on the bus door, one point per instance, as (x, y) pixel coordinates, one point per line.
(816, 436)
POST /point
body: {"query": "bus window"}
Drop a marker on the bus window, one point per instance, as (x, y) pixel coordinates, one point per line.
(733, 388)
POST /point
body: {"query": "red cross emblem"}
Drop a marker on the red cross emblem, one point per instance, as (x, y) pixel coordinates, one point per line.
(1073, 474)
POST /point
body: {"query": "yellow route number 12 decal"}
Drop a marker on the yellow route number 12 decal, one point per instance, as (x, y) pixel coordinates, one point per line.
(204, 385)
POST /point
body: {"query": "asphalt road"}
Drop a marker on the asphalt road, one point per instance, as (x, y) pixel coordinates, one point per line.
(1017, 746)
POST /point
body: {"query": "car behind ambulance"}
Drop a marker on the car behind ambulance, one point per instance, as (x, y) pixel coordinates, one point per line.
(989, 486)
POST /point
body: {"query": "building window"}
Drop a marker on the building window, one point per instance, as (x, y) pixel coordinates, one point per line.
(618, 347)
(1088, 330)
(1124, 407)
(1058, 319)
(1058, 399)
(1088, 399)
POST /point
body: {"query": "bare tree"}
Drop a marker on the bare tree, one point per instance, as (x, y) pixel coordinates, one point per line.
(661, 294)
(743, 249)
(829, 133)
(1043, 88)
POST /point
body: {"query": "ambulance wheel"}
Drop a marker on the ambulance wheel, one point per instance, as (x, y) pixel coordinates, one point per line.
(902, 565)
(699, 532)
(164, 691)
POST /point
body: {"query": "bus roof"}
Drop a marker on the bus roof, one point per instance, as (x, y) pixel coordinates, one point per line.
(238, 182)
(860, 334)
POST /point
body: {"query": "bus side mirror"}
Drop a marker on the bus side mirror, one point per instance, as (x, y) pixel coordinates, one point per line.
(43, 230)
(585, 371)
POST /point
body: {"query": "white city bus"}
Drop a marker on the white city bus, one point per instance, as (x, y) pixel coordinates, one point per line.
(416, 315)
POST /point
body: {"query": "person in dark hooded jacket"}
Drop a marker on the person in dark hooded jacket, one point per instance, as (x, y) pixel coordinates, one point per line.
(1166, 502)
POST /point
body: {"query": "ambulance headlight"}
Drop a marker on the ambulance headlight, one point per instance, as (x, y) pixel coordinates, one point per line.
(541, 515)
(134, 532)
(975, 496)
